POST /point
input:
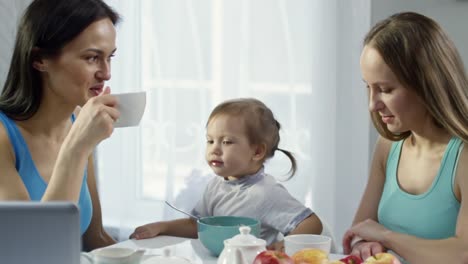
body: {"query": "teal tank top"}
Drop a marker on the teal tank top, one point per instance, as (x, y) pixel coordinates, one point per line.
(430, 215)
(31, 178)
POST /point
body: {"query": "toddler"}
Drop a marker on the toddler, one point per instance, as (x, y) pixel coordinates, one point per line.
(241, 135)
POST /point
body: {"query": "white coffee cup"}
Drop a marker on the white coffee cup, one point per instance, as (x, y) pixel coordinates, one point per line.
(114, 256)
(294, 243)
(131, 107)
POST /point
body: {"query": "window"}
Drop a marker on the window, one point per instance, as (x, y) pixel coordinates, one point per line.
(188, 58)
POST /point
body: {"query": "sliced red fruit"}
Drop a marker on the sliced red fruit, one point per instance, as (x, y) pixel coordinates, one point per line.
(351, 260)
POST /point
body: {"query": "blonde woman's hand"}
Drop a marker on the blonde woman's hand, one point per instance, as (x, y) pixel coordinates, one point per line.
(366, 249)
(368, 230)
(95, 121)
(363, 239)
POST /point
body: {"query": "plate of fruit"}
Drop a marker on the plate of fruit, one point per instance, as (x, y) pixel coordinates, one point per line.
(317, 256)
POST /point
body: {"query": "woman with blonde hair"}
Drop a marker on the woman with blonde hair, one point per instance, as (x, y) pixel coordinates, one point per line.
(418, 98)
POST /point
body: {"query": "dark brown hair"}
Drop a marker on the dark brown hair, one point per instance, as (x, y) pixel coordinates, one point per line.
(45, 27)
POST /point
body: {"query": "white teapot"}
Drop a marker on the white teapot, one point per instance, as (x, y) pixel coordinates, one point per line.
(242, 248)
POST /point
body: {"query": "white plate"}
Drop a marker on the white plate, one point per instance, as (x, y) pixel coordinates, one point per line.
(166, 260)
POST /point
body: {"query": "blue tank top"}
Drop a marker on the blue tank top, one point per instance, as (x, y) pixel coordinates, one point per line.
(430, 215)
(34, 183)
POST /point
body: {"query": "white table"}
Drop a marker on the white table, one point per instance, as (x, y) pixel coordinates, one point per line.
(191, 249)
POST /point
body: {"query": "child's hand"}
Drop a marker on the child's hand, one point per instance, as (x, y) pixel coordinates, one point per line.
(147, 231)
(278, 246)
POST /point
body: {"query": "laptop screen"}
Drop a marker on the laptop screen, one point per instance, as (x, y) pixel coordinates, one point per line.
(39, 232)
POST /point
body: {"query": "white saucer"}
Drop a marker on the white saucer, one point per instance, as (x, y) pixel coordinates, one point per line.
(166, 260)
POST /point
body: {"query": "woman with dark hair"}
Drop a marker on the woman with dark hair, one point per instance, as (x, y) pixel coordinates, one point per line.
(415, 200)
(60, 62)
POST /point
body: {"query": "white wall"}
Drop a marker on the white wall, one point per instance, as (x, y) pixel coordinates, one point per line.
(352, 151)
(452, 15)
(10, 12)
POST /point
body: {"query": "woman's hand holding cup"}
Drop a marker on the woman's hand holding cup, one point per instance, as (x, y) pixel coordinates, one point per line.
(95, 121)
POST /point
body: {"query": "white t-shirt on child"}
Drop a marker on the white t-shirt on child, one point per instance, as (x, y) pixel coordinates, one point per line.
(258, 196)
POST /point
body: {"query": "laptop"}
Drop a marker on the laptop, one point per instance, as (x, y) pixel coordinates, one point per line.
(39, 233)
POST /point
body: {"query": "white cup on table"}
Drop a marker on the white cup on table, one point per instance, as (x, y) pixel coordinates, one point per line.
(294, 243)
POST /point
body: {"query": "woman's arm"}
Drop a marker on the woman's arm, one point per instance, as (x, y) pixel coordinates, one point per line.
(370, 200)
(67, 176)
(417, 250)
(95, 123)
(95, 236)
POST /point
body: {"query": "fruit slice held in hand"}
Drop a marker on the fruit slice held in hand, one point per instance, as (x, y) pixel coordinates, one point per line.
(310, 256)
(346, 260)
(351, 260)
(382, 258)
(272, 257)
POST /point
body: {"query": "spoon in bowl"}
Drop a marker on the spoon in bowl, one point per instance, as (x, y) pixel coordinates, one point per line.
(182, 211)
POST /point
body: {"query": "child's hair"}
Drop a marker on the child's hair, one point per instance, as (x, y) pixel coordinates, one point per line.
(260, 124)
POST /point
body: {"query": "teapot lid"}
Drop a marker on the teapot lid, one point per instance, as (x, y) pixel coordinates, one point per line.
(245, 238)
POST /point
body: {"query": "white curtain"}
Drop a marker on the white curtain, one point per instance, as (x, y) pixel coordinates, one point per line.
(299, 57)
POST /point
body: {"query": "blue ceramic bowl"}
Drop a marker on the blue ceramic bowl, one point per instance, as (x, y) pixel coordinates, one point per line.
(213, 230)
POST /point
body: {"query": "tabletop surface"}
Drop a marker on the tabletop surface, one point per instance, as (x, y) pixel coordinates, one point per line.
(190, 249)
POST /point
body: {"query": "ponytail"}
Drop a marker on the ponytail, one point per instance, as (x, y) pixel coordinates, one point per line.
(293, 169)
